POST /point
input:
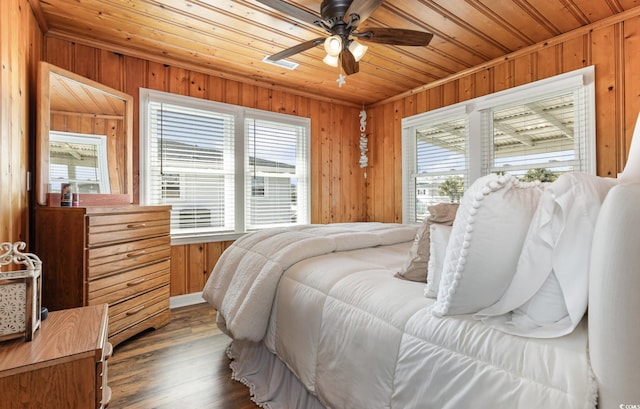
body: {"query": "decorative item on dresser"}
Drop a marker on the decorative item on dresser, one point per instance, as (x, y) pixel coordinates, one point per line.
(19, 292)
(65, 366)
(115, 255)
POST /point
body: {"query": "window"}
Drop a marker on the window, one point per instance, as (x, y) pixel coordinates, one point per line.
(439, 161)
(273, 172)
(536, 131)
(535, 135)
(224, 169)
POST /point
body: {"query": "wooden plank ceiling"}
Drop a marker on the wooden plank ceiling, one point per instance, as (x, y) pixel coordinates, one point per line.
(68, 96)
(231, 37)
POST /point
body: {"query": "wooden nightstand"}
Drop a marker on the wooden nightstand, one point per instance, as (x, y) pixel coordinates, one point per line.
(64, 367)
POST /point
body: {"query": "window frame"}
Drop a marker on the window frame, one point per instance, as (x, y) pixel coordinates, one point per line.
(479, 140)
(241, 158)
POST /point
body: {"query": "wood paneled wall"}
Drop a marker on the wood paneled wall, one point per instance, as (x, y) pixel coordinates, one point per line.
(612, 46)
(337, 181)
(20, 48)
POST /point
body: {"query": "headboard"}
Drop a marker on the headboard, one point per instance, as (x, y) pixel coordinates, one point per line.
(614, 290)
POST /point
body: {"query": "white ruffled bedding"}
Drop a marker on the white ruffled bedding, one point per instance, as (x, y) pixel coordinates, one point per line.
(356, 337)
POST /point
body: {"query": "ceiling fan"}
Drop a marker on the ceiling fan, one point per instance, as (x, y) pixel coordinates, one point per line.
(340, 18)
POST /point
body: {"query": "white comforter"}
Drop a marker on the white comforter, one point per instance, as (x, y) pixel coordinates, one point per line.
(243, 283)
(357, 337)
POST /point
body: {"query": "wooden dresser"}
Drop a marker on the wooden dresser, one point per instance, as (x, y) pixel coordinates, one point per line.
(115, 255)
(65, 366)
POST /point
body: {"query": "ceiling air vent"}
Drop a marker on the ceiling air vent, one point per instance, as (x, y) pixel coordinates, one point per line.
(290, 65)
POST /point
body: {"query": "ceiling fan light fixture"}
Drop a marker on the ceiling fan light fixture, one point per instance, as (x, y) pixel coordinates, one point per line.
(343, 19)
(333, 45)
(330, 60)
(358, 50)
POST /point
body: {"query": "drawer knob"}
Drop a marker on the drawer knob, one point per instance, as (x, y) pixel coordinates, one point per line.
(136, 253)
(136, 282)
(136, 310)
(106, 397)
(108, 351)
(136, 225)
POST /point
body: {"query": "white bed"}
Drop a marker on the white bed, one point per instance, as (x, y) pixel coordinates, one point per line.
(318, 320)
(345, 333)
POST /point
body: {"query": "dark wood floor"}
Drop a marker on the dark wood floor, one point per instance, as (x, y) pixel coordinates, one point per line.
(182, 365)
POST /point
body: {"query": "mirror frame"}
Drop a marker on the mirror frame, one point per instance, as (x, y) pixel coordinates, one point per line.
(43, 127)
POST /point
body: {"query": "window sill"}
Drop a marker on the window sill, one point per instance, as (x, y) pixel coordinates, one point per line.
(204, 238)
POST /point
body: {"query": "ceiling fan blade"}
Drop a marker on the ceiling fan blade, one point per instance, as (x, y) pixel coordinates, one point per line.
(296, 49)
(395, 36)
(362, 8)
(348, 62)
(292, 11)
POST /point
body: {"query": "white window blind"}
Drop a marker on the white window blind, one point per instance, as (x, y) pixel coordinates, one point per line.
(441, 166)
(275, 172)
(536, 131)
(538, 138)
(192, 166)
(224, 169)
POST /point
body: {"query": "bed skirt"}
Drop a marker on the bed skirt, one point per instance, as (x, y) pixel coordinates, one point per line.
(272, 385)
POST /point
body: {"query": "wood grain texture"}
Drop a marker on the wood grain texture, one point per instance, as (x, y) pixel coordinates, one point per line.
(21, 44)
(336, 180)
(229, 39)
(61, 367)
(117, 255)
(77, 331)
(330, 122)
(613, 49)
(191, 265)
(182, 365)
(513, 46)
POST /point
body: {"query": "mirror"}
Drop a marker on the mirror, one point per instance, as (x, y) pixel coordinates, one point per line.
(84, 138)
(80, 160)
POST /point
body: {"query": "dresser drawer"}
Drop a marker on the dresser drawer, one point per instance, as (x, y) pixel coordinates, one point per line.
(116, 255)
(114, 288)
(120, 257)
(134, 310)
(103, 397)
(105, 229)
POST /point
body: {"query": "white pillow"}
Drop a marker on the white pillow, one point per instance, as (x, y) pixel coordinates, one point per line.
(546, 307)
(486, 240)
(414, 267)
(440, 234)
(548, 294)
(416, 264)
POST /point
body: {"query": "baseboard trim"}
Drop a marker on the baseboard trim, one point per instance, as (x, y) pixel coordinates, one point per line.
(185, 300)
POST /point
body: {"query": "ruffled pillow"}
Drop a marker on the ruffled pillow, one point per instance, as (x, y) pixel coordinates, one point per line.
(440, 234)
(548, 294)
(416, 264)
(486, 240)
